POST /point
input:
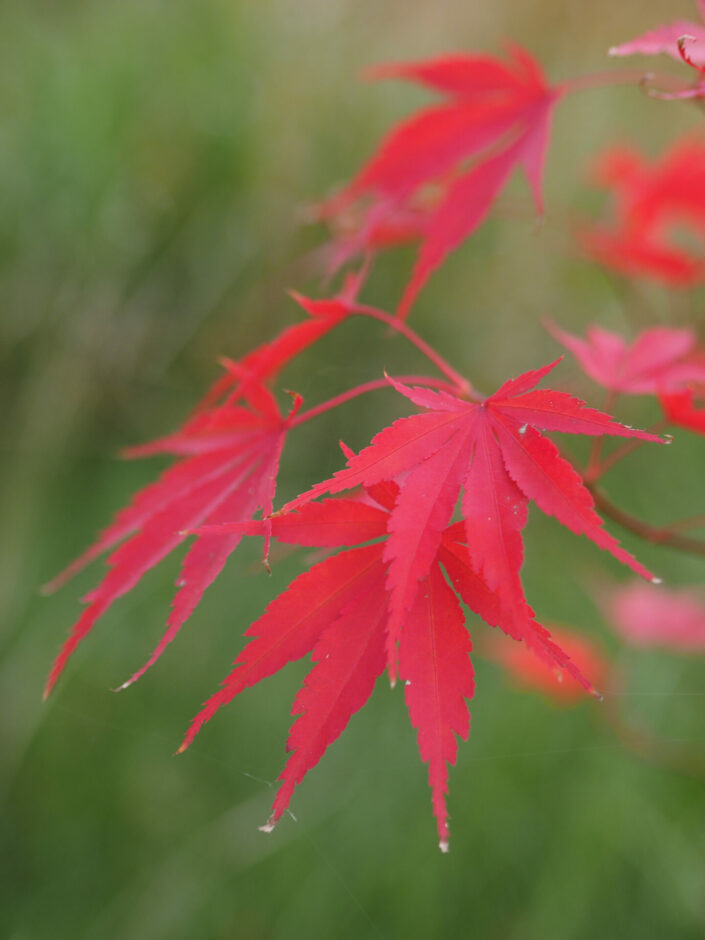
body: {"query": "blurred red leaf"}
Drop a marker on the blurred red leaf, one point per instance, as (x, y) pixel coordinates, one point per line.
(497, 117)
(530, 672)
(664, 39)
(659, 360)
(653, 203)
(681, 409)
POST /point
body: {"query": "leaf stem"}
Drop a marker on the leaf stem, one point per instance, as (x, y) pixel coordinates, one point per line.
(656, 535)
(621, 77)
(591, 473)
(462, 386)
(372, 386)
(598, 468)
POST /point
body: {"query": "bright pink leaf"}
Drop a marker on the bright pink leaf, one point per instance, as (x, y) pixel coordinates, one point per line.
(664, 40)
(349, 657)
(342, 608)
(233, 472)
(461, 74)
(536, 466)
(495, 512)
(559, 411)
(426, 447)
(423, 510)
(434, 662)
(393, 451)
(655, 204)
(430, 145)
(497, 117)
(670, 618)
(328, 524)
(659, 360)
(293, 623)
(464, 208)
(207, 557)
(508, 610)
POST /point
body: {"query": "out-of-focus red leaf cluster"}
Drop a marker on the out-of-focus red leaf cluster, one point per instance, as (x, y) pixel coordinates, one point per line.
(657, 229)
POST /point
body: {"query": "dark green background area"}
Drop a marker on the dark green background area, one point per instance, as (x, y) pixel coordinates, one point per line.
(156, 160)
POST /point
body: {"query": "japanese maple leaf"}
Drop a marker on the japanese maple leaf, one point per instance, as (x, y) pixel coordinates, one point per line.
(654, 203)
(340, 610)
(494, 452)
(530, 672)
(496, 116)
(665, 40)
(228, 471)
(648, 616)
(660, 359)
(685, 408)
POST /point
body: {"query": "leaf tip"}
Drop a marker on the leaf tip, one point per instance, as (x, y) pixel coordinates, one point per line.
(348, 452)
(444, 846)
(269, 825)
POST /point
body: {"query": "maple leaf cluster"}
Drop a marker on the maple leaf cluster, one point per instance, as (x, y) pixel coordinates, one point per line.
(437, 503)
(436, 175)
(656, 204)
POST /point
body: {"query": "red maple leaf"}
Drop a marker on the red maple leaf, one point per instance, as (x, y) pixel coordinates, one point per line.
(231, 457)
(491, 450)
(340, 609)
(661, 359)
(654, 202)
(496, 116)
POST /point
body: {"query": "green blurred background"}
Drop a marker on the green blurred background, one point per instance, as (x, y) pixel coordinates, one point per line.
(155, 161)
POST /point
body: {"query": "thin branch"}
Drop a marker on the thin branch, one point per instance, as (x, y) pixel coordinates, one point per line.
(682, 525)
(653, 534)
(372, 386)
(621, 77)
(596, 450)
(598, 468)
(462, 386)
